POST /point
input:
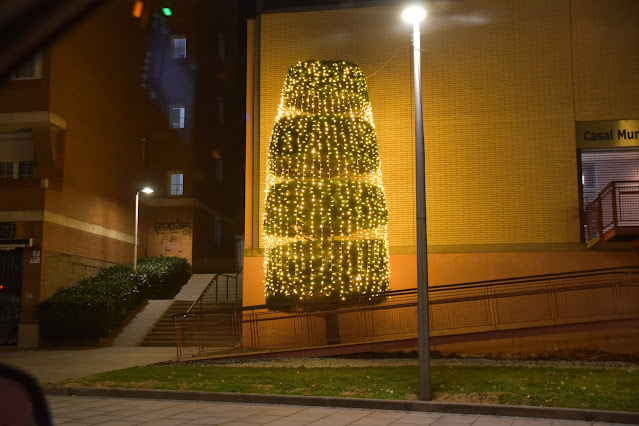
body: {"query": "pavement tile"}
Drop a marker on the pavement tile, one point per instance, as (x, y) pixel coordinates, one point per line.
(445, 423)
(572, 423)
(352, 414)
(304, 417)
(75, 423)
(127, 412)
(532, 422)
(259, 418)
(212, 420)
(610, 424)
(170, 411)
(96, 403)
(380, 418)
(80, 414)
(145, 417)
(494, 421)
(459, 418)
(61, 420)
(282, 410)
(236, 410)
(119, 423)
(283, 422)
(158, 405)
(118, 407)
(417, 419)
(252, 408)
(330, 422)
(69, 409)
(328, 410)
(99, 419)
(187, 415)
(164, 422)
(238, 424)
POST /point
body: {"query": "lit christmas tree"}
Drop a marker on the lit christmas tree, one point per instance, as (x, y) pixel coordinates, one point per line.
(325, 221)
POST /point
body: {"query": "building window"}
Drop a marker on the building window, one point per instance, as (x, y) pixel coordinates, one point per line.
(179, 47)
(25, 169)
(220, 109)
(218, 232)
(219, 171)
(177, 116)
(6, 170)
(176, 183)
(221, 51)
(30, 70)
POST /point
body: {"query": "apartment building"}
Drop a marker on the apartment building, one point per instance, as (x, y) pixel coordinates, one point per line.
(134, 96)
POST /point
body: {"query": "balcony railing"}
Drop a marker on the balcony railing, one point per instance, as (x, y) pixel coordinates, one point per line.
(614, 214)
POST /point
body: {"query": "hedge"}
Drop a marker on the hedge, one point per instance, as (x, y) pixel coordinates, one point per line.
(97, 306)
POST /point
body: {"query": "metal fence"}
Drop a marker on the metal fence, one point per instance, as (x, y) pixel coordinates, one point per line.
(536, 301)
(615, 209)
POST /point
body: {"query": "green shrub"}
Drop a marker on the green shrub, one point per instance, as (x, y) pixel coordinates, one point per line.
(97, 306)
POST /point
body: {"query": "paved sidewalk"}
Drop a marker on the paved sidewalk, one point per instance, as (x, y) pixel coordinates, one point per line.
(77, 410)
(49, 366)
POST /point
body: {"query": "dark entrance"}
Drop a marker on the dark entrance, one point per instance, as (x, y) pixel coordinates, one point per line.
(10, 293)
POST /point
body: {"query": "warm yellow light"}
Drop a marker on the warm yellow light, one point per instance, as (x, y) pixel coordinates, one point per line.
(325, 217)
(414, 14)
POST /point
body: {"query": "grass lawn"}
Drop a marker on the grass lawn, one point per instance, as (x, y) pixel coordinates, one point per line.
(602, 389)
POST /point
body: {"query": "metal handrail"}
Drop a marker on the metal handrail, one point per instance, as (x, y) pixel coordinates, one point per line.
(199, 299)
(482, 306)
(227, 284)
(215, 280)
(475, 285)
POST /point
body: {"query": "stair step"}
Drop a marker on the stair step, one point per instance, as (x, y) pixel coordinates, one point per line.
(163, 332)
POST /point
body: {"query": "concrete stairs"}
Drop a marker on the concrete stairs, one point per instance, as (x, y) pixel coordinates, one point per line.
(223, 297)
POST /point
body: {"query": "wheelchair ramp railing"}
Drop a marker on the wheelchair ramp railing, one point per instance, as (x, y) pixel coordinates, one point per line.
(614, 214)
(476, 307)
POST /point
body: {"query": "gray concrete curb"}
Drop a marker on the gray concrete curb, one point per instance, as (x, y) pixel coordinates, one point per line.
(380, 404)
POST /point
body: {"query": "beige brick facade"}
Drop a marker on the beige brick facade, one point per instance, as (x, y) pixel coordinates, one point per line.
(498, 113)
(503, 85)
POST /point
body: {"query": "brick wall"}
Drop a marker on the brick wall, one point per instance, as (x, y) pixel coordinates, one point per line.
(169, 232)
(498, 113)
(605, 53)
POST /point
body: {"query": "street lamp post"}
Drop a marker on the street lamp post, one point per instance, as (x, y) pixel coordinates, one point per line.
(146, 190)
(414, 15)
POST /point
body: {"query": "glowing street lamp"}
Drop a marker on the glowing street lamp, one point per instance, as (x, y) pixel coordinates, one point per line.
(146, 190)
(414, 15)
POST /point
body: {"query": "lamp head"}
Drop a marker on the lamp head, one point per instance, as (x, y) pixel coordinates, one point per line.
(414, 14)
(147, 190)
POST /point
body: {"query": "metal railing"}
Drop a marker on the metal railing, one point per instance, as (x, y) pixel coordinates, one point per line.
(616, 207)
(210, 296)
(236, 293)
(508, 304)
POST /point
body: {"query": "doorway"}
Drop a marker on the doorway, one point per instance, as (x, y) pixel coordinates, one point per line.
(10, 295)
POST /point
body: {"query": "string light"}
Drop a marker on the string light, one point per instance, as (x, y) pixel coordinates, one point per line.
(326, 219)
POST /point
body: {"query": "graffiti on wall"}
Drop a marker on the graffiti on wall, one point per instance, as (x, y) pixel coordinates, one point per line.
(171, 233)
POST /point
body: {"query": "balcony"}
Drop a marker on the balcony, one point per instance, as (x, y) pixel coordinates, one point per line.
(614, 215)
